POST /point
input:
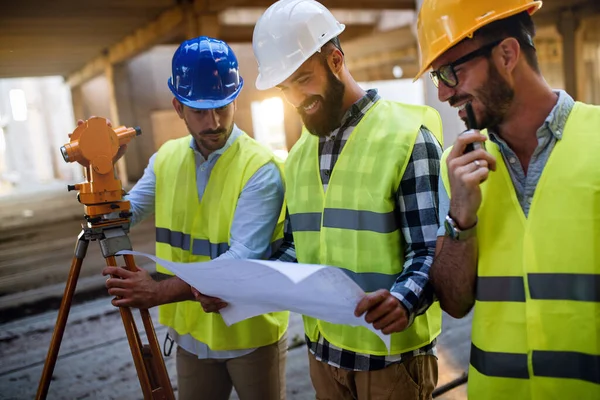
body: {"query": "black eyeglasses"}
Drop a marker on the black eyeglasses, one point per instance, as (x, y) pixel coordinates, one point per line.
(446, 73)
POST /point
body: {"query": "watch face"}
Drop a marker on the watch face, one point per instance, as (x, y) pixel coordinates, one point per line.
(450, 231)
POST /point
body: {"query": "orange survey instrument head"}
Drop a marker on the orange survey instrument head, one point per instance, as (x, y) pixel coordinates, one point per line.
(95, 145)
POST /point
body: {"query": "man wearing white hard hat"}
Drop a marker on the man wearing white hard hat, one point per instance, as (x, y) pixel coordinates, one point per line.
(362, 196)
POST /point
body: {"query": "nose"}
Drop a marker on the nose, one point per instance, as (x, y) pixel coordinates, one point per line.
(445, 92)
(212, 119)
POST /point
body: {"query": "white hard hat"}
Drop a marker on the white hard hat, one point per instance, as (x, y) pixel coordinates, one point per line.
(287, 35)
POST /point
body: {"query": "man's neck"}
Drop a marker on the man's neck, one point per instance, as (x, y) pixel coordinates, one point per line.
(205, 152)
(352, 94)
(526, 115)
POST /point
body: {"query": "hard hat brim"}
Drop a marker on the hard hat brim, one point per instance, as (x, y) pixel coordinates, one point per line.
(207, 104)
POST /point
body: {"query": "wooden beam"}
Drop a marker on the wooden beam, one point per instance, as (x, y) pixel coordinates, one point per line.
(580, 10)
(379, 42)
(399, 56)
(167, 24)
(220, 5)
(114, 116)
(243, 33)
(384, 72)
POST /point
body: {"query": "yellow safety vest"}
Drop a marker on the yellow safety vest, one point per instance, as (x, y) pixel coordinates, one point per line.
(191, 231)
(354, 226)
(536, 323)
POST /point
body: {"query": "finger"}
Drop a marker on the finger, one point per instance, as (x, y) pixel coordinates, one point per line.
(119, 292)
(117, 283)
(396, 326)
(210, 308)
(476, 177)
(390, 318)
(467, 169)
(209, 299)
(121, 302)
(118, 271)
(80, 122)
(370, 301)
(463, 140)
(468, 158)
(382, 309)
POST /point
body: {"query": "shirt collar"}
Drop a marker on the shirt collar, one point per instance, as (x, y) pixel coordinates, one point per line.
(361, 106)
(357, 110)
(235, 133)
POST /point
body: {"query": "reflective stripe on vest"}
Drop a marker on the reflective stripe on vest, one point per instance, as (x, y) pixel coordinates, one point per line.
(576, 287)
(552, 364)
(358, 220)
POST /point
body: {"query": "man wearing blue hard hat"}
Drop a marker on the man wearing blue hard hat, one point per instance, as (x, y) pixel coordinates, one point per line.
(216, 194)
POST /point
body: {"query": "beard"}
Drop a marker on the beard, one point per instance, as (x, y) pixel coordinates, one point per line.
(495, 95)
(328, 117)
(210, 139)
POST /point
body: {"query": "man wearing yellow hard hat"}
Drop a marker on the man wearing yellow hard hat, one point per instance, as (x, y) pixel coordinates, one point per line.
(361, 194)
(521, 216)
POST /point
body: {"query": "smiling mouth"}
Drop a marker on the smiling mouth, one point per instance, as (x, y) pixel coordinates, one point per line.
(312, 107)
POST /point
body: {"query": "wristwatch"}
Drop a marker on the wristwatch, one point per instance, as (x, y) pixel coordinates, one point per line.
(454, 232)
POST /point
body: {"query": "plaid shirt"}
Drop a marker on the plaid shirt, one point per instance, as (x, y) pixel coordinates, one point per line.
(417, 204)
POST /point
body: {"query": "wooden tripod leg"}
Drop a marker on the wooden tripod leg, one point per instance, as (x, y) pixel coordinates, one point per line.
(155, 364)
(63, 314)
(135, 343)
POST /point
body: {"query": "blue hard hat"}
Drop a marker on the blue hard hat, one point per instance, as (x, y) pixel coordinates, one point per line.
(205, 74)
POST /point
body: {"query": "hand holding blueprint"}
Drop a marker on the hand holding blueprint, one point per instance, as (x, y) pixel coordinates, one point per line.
(254, 287)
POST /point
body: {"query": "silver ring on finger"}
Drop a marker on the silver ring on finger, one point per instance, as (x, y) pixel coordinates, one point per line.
(477, 164)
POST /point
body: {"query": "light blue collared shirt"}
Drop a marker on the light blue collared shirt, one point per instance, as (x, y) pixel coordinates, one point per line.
(254, 221)
(548, 134)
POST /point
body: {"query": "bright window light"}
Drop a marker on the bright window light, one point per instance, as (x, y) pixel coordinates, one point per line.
(268, 124)
(18, 104)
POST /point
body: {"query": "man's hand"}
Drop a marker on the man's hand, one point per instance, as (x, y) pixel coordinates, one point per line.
(122, 149)
(132, 288)
(384, 311)
(209, 304)
(465, 173)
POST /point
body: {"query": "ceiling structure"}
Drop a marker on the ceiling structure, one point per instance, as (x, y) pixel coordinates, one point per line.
(76, 39)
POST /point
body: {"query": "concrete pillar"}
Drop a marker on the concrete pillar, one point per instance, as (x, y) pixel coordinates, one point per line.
(292, 123)
(114, 117)
(568, 25)
(451, 123)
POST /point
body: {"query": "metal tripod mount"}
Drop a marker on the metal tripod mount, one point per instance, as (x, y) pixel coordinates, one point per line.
(112, 235)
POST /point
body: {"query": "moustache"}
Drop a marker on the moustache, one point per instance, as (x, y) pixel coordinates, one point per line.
(455, 100)
(213, 132)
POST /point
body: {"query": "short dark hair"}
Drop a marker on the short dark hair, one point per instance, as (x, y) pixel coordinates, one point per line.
(519, 26)
(336, 43)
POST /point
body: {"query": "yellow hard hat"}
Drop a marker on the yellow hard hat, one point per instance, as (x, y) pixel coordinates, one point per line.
(443, 23)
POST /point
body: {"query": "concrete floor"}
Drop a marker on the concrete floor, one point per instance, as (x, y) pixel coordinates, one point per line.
(36, 248)
(95, 361)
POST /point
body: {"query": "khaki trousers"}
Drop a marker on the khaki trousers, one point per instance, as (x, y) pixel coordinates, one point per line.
(259, 375)
(413, 379)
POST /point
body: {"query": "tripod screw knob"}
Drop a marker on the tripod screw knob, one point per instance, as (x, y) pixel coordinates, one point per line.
(71, 187)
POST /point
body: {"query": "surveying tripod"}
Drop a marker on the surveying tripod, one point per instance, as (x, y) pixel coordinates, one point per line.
(94, 145)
